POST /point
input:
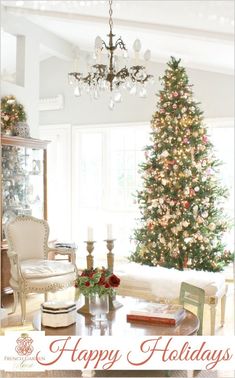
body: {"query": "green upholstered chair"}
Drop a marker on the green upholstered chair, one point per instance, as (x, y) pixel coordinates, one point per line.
(195, 296)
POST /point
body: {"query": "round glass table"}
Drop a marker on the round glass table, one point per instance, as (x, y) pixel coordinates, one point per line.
(117, 325)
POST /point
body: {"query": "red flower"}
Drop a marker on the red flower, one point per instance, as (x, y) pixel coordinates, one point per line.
(114, 281)
(107, 285)
(101, 281)
(87, 283)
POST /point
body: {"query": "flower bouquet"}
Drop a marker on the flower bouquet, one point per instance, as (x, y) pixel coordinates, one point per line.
(97, 281)
(98, 286)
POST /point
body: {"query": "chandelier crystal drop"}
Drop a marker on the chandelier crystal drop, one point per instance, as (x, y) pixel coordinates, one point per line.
(104, 71)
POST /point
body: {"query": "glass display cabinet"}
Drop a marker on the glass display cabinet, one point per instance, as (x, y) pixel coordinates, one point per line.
(24, 186)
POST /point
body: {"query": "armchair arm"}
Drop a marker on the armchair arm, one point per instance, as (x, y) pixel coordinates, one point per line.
(70, 252)
(14, 261)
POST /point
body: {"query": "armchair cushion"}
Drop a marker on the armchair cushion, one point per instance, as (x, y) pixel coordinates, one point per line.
(32, 269)
(47, 284)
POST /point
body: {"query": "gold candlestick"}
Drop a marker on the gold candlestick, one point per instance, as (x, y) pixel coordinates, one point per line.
(90, 258)
(113, 303)
(90, 264)
(110, 255)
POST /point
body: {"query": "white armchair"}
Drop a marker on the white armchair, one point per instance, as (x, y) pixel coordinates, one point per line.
(31, 271)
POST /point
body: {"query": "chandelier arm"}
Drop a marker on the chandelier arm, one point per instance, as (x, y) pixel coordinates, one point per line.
(120, 43)
(123, 73)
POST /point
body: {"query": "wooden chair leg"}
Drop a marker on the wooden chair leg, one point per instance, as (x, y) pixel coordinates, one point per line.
(213, 315)
(223, 305)
(15, 296)
(23, 307)
(46, 296)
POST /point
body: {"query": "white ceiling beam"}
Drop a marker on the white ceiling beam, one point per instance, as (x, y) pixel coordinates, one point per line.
(130, 24)
(13, 24)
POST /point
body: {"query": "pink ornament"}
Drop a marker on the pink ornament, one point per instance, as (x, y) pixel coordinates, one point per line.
(161, 111)
(204, 139)
(174, 106)
(175, 94)
(185, 140)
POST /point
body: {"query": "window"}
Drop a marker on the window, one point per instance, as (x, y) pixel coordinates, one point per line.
(223, 141)
(105, 179)
(93, 176)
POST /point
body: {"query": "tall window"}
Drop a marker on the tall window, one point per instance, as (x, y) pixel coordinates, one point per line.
(105, 182)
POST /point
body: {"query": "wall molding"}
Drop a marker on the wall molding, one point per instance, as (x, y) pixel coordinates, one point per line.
(51, 103)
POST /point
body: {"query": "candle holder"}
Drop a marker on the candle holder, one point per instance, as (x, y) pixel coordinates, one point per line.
(90, 264)
(110, 255)
(90, 259)
(113, 303)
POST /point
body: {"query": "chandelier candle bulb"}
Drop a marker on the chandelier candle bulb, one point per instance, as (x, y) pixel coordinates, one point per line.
(109, 232)
(90, 234)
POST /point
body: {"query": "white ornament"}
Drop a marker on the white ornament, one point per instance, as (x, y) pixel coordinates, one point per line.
(185, 223)
(165, 153)
(205, 214)
(196, 188)
(211, 226)
(195, 209)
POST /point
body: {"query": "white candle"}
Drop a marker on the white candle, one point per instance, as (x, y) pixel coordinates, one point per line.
(109, 232)
(90, 234)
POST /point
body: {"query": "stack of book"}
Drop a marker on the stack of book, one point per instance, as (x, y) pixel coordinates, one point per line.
(65, 245)
(156, 313)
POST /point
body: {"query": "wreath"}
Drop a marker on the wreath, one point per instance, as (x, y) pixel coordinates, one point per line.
(12, 112)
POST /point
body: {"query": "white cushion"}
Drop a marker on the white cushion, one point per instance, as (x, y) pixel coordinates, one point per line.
(165, 283)
(47, 283)
(32, 269)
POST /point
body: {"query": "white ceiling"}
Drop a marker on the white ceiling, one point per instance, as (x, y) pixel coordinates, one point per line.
(199, 32)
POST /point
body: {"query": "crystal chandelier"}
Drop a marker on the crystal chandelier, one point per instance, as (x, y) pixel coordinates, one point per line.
(104, 72)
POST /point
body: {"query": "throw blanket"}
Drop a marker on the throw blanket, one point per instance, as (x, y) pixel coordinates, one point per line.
(165, 283)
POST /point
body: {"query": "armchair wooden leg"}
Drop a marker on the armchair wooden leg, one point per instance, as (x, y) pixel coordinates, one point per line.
(46, 297)
(23, 307)
(15, 296)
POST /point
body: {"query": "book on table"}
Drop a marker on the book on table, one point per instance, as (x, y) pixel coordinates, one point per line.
(169, 314)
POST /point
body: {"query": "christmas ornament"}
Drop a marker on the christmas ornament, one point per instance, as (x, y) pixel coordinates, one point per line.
(186, 204)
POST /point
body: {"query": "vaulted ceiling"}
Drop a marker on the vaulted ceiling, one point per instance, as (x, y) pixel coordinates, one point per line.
(199, 32)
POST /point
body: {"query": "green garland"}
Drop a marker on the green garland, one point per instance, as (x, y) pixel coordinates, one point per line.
(12, 112)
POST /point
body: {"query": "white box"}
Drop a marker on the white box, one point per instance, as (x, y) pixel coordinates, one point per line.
(58, 314)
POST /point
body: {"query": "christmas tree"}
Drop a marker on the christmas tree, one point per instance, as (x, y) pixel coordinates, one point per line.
(182, 221)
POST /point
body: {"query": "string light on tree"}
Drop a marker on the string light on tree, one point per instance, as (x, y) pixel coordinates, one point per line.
(182, 220)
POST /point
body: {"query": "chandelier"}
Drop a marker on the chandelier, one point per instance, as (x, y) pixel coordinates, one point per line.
(105, 74)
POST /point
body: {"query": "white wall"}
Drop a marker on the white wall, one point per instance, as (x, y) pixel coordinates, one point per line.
(34, 36)
(214, 91)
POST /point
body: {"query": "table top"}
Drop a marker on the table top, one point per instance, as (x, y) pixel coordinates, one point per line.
(117, 325)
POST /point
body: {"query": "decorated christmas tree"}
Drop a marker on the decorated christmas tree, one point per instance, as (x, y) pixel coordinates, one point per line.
(182, 221)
